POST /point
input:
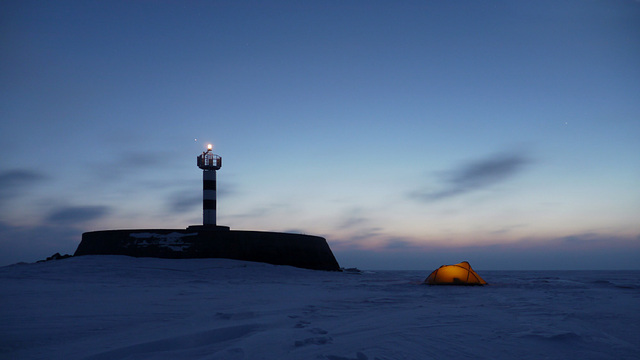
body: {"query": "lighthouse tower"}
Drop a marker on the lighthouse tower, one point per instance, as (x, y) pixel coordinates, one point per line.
(209, 163)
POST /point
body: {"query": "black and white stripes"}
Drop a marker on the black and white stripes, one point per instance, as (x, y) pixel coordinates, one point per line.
(209, 197)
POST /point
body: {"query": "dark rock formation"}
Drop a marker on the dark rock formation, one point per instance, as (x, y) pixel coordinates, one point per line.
(55, 256)
(304, 251)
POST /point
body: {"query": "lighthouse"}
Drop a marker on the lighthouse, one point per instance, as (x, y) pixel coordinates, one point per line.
(209, 163)
(211, 240)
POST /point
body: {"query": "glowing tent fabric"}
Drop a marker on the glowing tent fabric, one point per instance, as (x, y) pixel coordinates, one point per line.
(458, 274)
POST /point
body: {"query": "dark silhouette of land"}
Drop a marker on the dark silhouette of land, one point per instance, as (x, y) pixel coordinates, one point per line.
(303, 251)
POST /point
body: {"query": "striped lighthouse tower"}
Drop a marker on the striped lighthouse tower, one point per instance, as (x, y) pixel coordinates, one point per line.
(209, 163)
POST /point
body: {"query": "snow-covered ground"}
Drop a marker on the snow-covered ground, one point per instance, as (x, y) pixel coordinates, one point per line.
(116, 307)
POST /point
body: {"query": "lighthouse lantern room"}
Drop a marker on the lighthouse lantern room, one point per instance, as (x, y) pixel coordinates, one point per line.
(208, 160)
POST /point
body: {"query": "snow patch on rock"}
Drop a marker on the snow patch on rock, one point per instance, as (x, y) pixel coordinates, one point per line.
(173, 241)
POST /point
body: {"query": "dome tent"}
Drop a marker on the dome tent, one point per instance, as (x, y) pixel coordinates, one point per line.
(458, 274)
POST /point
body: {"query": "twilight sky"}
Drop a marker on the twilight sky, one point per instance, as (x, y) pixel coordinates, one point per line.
(410, 134)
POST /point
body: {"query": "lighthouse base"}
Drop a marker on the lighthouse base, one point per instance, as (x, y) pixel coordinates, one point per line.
(208, 228)
(304, 251)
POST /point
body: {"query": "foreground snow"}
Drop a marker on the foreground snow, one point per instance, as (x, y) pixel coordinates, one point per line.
(116, 307)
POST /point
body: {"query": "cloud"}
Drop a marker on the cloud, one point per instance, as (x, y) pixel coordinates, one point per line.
(263, 211)
(508, 229)
(399, 244)
(14, 181)
(18, 177)
(126, 164)
(579, 242)
(256, 212)
(70, 215)
(351, 219)
(476, 175)
(184, 201)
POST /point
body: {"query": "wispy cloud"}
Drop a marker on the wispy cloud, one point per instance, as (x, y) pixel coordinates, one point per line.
(579, 241)
(476, 175)
(398, 243)
(183, 201)
(70, 215)
(128, 163)
(12, 182)
(352, 219)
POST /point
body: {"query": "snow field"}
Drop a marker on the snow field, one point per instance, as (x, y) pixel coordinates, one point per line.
(116, 307)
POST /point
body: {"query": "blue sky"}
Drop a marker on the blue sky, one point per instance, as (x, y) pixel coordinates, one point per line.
(409, 134)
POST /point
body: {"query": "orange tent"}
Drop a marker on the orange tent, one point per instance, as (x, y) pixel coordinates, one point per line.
(458, 274)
